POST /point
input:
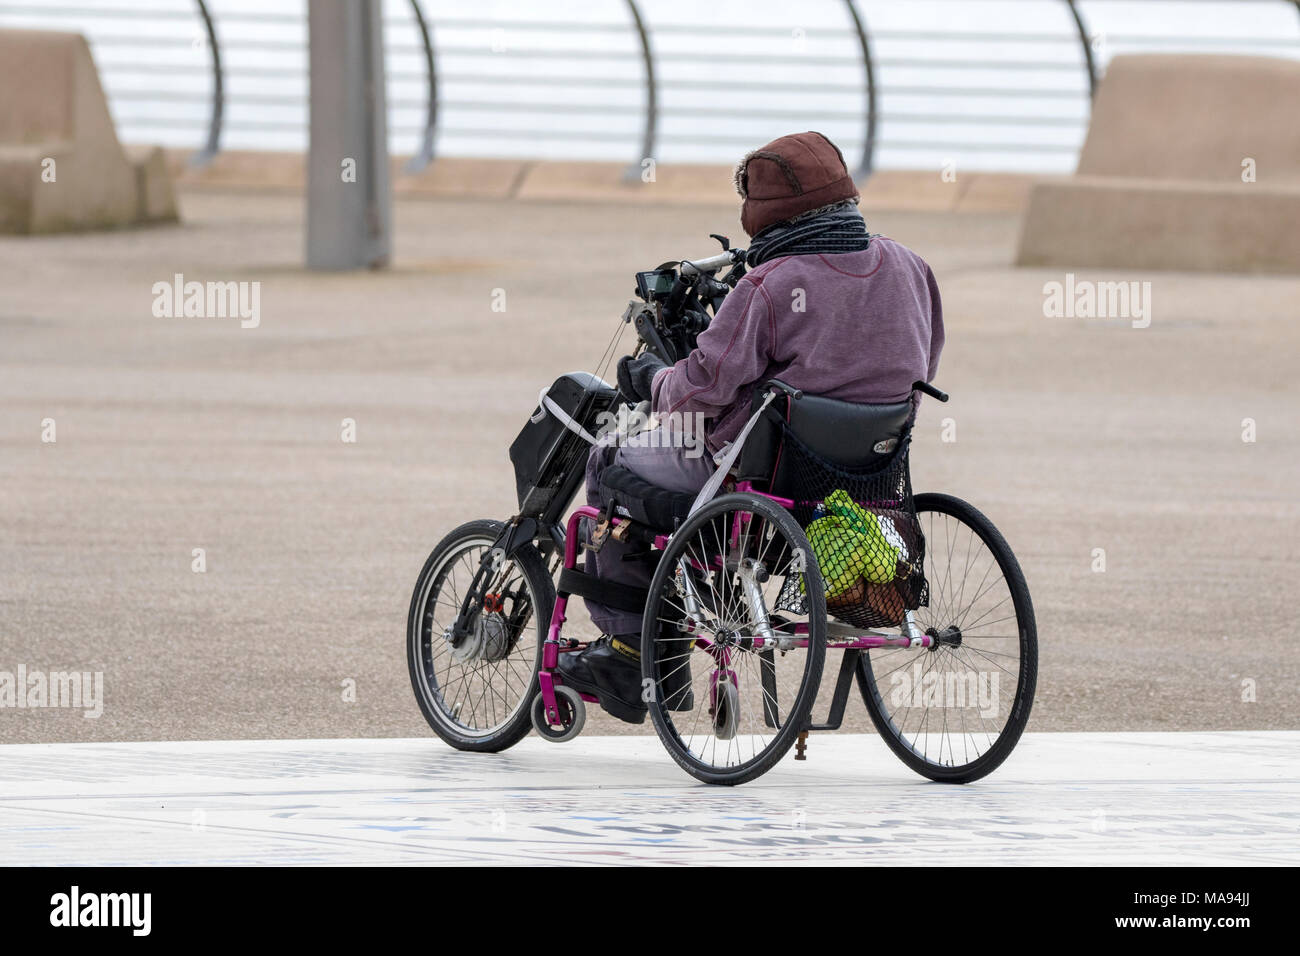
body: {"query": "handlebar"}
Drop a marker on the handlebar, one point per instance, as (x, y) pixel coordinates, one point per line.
(712, 264)
(669, 323)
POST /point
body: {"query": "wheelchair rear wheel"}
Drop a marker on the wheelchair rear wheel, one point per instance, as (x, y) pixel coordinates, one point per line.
(953, 712)
(730, 674)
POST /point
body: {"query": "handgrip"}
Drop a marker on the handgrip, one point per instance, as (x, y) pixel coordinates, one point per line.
(775, 384)
(930, 390)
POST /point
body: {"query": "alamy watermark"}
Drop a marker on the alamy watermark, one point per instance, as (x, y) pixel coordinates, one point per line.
(76, 690)
(208, 300)
(667, 430)
(128, 910)
(1086, 299)
(930, 688)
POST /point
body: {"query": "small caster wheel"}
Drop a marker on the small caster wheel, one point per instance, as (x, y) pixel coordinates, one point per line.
(726, 710)
(573, 714)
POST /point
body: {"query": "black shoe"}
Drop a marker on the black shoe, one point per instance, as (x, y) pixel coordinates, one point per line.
(610, 670)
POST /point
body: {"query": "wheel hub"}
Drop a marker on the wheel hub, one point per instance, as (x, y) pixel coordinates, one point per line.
(487, 640)
(950, 636)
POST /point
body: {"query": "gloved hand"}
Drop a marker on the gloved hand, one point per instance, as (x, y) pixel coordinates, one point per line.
(635, 375)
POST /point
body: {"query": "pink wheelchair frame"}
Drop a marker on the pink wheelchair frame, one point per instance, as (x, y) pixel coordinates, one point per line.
(553, 647)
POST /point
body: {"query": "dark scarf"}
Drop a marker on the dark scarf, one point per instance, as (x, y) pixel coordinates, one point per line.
(837, 229)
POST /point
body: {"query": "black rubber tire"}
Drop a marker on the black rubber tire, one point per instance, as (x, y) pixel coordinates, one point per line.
(540, 585)
(798, 715)
(1018, 713)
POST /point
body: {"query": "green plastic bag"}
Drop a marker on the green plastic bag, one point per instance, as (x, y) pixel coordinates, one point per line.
(850, 545)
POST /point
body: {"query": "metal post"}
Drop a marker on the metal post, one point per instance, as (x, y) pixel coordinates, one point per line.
(1086, 40)
(425, 155)
(348, 193)
(651, 96)
(213, 144)
(868, 162)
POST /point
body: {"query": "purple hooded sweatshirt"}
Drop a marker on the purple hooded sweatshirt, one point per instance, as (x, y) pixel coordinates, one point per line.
(856, 326)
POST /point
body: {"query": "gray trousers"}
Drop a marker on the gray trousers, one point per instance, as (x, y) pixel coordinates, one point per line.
(660, 463)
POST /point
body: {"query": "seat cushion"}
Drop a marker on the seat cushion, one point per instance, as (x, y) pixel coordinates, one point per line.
(638, 499)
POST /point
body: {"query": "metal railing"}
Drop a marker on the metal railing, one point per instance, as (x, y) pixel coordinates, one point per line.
(424, 156)
(868, 161)
(213, 143)
(706, 116)
(651, 90)
(1085, 40)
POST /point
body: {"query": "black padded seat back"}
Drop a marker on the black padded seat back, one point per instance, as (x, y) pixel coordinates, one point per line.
(855, 437)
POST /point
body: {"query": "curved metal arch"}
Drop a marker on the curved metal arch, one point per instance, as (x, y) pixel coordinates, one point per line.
(1089, 62)
(424, 156)
(633, 171)
(867, 164)
(213, 142)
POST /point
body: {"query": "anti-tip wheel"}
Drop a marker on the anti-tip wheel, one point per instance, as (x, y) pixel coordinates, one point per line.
(726, 711)
(573, 715)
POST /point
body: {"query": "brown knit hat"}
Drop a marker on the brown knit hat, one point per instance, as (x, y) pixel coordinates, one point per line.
(790, 175)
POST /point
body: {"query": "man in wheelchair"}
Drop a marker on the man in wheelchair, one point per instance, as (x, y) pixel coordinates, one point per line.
(826, 308)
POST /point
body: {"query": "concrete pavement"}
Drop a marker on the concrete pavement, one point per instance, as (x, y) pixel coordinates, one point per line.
(1164, 799)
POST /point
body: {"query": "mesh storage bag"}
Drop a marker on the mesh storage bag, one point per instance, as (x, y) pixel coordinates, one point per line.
(863, 528)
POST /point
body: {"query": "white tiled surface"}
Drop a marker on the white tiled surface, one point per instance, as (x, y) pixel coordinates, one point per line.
(1158, 798)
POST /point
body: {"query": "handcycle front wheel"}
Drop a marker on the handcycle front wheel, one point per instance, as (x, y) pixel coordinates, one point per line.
(477, 693)
(734, 639)
(953, 712)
